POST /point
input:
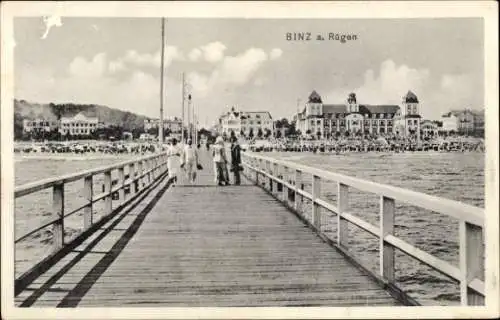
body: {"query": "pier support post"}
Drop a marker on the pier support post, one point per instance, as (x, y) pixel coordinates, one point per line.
(316, 209)
(298, 185)
(386, 251)
(121, 184)
(87, 194)
(58, 212)
(108, 204)
(343, 204)
(471, 262)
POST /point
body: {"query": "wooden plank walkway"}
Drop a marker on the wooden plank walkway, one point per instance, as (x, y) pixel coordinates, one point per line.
(204, 246)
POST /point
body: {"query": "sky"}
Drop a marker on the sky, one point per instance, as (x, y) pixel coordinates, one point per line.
(248, 63)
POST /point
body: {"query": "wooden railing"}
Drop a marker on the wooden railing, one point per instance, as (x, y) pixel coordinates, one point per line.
(266, 171)
(142, 173)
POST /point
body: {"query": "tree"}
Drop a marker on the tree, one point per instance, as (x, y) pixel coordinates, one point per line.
(268, 133)
(260, 133)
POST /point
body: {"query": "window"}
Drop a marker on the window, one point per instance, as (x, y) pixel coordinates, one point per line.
(374, 115)
(258, 122)
(318, 122)
(257, 116)
(409, 109)
(381, 116)
(389, 123)
(415, 122)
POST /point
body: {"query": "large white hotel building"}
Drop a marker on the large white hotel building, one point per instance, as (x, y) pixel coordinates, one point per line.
(324, 120)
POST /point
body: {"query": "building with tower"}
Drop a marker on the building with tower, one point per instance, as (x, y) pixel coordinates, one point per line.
(407, 119)
(351, 118)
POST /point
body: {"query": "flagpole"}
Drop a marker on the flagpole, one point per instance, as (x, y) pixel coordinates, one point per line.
(183, 97)
(161, 79)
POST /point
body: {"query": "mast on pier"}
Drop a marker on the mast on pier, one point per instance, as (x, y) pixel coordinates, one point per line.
(160, 128)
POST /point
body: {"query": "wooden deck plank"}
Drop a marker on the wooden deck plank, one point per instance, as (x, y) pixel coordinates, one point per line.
(205, 245)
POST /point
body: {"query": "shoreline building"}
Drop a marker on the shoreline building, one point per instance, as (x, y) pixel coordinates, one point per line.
(78, 125)
(324, 120)
(464, 121)
(173, 124)
(39, 125)
(245, 122)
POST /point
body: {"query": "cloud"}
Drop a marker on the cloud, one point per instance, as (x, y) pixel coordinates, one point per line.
(437, 94)
(135, 59)
(214, 51)
(116, 66)
(80, 67)
(389, 86)
(195, 54)
(239, 69)
(275, 53)
(51, 21)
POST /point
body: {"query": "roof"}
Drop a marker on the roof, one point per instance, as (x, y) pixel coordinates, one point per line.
(410, 97)
(382, 108)
(314, 97)
(363, 108)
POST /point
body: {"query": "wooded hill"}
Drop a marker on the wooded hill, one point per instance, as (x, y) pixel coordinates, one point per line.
(52, 112)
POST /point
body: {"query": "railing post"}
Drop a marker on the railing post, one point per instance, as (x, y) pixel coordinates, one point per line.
(139, 173)
(386, 251)
(257, 167)
(87, 194)
(108, 204)
(343, 203)
(471, 262)
(121, 184)
(298, 184)
(270, 179)
(58, 212)
(316, 209)
(284, 190)
(131, 175)
(275, 174)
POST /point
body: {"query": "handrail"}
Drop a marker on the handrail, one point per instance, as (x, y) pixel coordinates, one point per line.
(455, 209)
(267, 171)
(155, 165)
(32, 187)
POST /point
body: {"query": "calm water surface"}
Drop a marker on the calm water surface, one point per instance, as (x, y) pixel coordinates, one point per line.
(456, 176)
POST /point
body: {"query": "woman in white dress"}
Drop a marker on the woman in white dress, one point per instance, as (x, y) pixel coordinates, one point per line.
(173, 160)
(190, 161)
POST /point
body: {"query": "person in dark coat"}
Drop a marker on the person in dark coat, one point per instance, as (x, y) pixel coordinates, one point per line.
(235, 160)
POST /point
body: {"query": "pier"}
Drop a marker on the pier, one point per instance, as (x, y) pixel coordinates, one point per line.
(264, 243)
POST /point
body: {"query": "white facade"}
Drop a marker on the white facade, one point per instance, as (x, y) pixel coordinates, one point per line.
(39, 125)
(246, 122)
(78, 125)
(327, 120)
(450, 122)
(174, 124)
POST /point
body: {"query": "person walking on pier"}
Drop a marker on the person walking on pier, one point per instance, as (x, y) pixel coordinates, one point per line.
(173, 159)
(220, 160)
(190, 161)
(235, 160)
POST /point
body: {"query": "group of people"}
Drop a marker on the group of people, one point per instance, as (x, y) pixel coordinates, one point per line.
(220, 159)
(187, 158)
